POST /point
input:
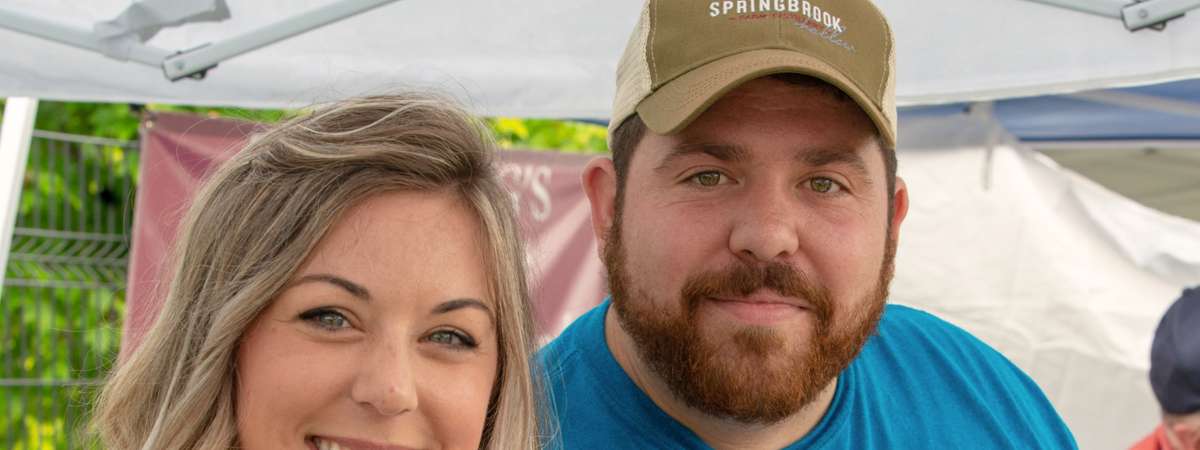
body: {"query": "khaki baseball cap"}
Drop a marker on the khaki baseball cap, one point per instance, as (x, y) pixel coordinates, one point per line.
(685, 54)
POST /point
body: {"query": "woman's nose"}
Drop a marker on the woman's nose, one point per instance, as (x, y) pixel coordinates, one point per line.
(386, 381)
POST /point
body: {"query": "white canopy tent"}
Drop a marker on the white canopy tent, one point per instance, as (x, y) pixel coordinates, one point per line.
(1081, 274)
(547, 58)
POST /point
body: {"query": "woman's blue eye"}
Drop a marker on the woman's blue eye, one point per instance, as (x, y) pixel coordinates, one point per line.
(451, 338)
(325, 318)
(707, 179)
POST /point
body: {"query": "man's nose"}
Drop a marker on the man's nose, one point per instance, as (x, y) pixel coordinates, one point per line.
(386, 380)
(766, 224)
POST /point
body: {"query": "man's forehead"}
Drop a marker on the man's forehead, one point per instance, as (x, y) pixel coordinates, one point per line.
(808, 122)
(702, 140)
(679, 147)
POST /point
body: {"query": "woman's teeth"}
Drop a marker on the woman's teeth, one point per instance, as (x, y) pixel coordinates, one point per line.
(327, 445)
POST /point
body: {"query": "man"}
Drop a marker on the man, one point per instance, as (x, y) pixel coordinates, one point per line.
(1175, 376)
(748, 220)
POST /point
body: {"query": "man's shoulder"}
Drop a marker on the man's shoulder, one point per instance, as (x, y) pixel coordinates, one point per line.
(921, 330)
(911, 316)
(593, 401)
(943, 375)
(573, 344)
(916, 348)
(924, 342)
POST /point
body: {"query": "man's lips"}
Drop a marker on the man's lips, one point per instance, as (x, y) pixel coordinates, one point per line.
(761, 307)
(764, 297)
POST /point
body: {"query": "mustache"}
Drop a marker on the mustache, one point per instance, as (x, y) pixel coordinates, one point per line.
(743, 279)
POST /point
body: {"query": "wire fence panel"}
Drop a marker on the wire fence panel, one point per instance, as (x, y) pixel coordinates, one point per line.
(64, 289)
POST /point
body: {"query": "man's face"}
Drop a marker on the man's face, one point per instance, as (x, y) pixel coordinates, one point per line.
(750, 257)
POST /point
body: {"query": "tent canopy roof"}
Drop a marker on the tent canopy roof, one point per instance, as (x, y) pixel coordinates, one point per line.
(1166, 111)
(547, 58)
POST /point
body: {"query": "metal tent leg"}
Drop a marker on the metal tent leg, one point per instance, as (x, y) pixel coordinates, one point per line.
(15, 135)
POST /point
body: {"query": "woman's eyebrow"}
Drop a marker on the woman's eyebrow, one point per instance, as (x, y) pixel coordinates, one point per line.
(349, 286)
(460, 303)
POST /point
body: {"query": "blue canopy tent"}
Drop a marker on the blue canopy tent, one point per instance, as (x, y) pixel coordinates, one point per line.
(1168, 111)
(1143, 142)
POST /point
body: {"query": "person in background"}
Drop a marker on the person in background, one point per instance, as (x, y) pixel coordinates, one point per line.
(1175, 376)
(352, 279)
(748, 219)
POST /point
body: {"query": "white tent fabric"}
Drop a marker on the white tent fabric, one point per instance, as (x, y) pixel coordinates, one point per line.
(549, 58)
(1065, 278)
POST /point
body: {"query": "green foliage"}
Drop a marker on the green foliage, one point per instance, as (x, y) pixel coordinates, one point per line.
(546, 134)
(110, 120)
(62, 303)
(251, 115)
(120, 121)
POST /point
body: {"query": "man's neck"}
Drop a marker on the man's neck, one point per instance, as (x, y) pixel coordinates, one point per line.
(721, 434)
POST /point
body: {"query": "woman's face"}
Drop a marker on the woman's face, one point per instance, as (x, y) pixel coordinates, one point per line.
(385, 338)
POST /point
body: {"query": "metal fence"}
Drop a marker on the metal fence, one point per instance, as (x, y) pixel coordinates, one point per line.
(63, 294)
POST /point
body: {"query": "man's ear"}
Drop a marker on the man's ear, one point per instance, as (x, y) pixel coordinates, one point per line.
(899, 208)
(599, 182)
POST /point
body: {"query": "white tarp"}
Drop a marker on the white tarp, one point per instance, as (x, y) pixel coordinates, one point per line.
(1064, 277)
(551, 58)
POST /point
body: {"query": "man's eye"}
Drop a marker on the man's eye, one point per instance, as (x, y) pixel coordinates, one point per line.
(707, 179)
(452, 339)
(824, 185)
(326, 319)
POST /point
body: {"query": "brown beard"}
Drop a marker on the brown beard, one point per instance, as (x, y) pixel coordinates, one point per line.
(759, 380)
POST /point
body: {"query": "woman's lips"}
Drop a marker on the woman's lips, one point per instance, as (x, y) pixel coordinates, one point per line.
(343, 443)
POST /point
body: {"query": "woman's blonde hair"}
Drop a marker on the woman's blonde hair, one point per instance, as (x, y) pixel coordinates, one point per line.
(253, 224)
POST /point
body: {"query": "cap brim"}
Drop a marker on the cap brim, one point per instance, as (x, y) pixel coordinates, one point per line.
(673, 106)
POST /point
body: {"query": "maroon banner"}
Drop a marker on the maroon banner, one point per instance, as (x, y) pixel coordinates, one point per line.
(179, 151)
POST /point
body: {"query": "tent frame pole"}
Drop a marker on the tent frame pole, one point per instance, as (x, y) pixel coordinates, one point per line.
(1135, 14)
(194, 63)
(79, 36)
(15, 136)
(1155, 13)
(1104, 8)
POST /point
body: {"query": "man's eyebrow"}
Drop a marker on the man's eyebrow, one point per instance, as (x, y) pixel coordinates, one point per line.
(460, 303)
(349, 286)
(828, 156)
(723, 152)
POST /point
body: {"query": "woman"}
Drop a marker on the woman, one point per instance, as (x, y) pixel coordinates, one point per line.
(352, 279)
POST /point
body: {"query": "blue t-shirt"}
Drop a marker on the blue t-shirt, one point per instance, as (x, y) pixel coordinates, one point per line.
(920, 383)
